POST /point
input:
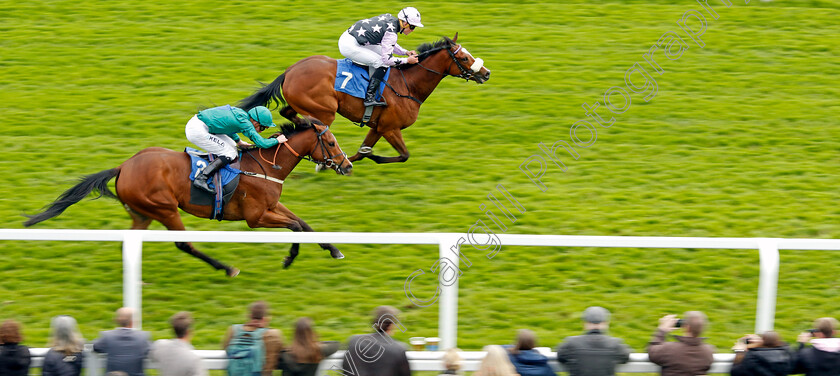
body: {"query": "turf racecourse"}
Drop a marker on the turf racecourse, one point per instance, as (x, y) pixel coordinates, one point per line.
(740, 141)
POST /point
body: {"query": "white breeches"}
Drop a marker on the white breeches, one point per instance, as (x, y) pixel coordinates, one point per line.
(218, 144)
(365, 55)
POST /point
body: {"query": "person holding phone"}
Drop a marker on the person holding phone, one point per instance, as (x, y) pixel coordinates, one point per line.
(823, 356)
(688, 355)
(764, 355)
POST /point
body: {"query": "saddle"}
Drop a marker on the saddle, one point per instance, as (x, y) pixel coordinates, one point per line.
(227, 178)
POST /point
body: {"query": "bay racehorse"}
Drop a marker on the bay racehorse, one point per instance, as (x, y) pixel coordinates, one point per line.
(155, 182)
(308, 87)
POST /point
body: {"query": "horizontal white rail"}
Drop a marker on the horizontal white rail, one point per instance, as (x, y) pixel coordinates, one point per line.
(414, 238)
(419, 361)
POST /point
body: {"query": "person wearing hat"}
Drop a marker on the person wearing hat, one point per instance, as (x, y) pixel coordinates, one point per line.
(373, 42)
(215, 130)
(594, 353)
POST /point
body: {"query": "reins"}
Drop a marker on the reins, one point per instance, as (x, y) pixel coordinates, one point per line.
(466, 74)
(328, 158)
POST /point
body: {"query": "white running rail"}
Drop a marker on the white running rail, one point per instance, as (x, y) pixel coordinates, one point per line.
(132, 240)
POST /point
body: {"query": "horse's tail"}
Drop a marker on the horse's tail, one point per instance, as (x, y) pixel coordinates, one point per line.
(96, 182)
(272, 92)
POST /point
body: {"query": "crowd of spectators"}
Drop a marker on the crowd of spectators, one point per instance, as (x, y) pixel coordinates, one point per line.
(255, 349)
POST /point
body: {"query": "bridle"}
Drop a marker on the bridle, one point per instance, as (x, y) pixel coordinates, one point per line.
(329, 159)
(467, 73)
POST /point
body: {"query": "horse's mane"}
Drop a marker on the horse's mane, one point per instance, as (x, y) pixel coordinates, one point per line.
(291, 128)
(427, 49)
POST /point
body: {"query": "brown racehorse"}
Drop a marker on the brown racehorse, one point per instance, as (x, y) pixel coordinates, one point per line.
(308, 88)
(154, 183)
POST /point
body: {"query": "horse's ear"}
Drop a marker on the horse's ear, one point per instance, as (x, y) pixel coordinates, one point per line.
(456, 37)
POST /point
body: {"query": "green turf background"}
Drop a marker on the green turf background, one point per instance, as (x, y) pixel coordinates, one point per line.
(740, 141)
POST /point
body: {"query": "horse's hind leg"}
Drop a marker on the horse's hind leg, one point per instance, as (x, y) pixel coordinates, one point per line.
(282, 217)
(173, 222)
(138, 221)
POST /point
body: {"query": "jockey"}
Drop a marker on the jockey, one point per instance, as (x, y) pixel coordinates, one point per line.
(373, 41)
(215, 130)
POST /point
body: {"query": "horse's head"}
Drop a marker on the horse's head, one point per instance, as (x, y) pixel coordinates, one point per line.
(466, 65)
(325, 149)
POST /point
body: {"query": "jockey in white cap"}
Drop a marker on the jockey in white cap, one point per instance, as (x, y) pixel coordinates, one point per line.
(373, 42)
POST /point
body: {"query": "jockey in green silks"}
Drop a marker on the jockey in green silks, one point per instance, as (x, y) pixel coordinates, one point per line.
(215, 130)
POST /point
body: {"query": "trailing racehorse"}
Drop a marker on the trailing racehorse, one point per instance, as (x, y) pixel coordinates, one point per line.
(155, 182)
(308, 87)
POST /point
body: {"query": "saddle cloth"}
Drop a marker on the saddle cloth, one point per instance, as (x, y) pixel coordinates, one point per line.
(353, 79)
(229, 179)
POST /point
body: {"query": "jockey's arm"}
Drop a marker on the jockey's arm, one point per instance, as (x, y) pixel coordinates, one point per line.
(257, 139)
(388, 47)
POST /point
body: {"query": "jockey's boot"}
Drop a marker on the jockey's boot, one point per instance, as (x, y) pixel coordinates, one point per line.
(373, 86)
(200, 181)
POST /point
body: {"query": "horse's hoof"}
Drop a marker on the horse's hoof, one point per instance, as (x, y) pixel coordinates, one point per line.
(287, 262)
(232, 272)
(337, 254)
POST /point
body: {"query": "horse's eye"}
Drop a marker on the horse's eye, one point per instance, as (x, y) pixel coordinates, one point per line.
(465, 59)
(332, 144)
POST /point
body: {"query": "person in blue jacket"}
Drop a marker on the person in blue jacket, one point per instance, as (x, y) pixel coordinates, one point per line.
(526, 360)
(215, 130)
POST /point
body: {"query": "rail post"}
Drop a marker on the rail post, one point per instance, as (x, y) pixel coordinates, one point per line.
(448, 310)
(132, 283)
(768, 280)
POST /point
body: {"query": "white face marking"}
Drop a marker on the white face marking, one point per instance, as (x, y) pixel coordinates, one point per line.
(477, 65)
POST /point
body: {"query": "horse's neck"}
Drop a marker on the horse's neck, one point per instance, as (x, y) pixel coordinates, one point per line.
(422, 82)
(284, 158)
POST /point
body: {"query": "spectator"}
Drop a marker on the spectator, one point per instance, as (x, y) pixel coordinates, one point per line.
(65, 356)
(688, 355)
(377, 354)
(306, 352)
(257, 336)
(14, 357)
(175, 357)
(823, 356)
(126, 348)
(764, 355)
(451, 362)
(495, 363)
(594, 353)
(526, 360)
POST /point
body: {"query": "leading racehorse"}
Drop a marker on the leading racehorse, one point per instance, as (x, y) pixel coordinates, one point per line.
(155, 182)
(308, 88)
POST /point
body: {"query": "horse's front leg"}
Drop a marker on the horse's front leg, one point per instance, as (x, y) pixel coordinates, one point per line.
(366, 149)
(395, 139)
(282, 217)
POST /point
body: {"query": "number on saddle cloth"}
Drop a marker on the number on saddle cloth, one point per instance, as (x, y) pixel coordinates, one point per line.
(198, 162)
(353, 79)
